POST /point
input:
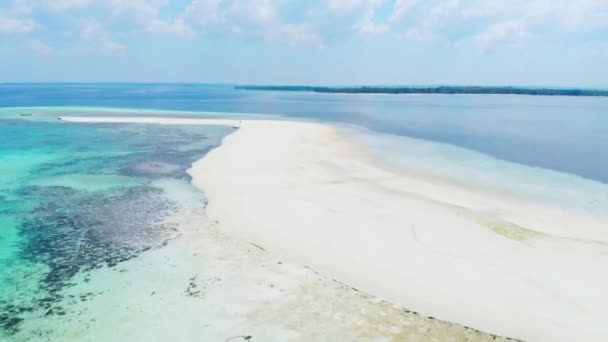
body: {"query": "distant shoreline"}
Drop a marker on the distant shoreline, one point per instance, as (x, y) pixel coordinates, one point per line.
(450, 90)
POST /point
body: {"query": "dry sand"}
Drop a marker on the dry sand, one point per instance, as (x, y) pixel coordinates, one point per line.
(304, 192)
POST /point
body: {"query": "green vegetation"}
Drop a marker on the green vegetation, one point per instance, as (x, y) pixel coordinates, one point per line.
(436, 90)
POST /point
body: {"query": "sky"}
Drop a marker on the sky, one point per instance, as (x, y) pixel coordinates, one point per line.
(317, 42)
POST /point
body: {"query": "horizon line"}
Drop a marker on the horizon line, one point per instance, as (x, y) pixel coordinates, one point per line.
(349, 85)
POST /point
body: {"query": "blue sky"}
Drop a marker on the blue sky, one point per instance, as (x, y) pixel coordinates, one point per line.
(486, 42)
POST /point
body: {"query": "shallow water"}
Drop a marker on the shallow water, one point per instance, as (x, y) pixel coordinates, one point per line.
(441, 161)
(76, 198)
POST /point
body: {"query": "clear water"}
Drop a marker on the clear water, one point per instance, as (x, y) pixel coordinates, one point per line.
(75, 198)
(560, 133)
(79, 197)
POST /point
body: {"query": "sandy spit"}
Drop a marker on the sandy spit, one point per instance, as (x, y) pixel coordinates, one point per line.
(306, 193)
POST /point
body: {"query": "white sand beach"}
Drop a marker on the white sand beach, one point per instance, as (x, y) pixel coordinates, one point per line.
(306, 193)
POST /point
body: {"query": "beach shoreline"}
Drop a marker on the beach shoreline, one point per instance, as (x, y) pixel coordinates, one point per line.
(307, 193)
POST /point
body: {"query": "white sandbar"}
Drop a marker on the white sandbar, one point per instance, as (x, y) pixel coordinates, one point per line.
(150, 120)
(305, 192)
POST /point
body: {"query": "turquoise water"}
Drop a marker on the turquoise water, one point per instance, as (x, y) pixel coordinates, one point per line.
(76, 198)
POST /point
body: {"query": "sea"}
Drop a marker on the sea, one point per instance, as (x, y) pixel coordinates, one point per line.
(79, 198)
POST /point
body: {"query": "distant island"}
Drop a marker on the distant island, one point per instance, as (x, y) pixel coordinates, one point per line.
(435, 90)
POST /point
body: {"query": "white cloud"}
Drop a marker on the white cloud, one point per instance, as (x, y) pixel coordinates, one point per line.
(22, 7)
(142, 10)
(136, 8)
(203, 12)
(260, 12)
(177, 27)
(514, 21)
(63, 5)
(505, 31)
(262, 18)
(571, 15)
(558, 14)
(198, 14)
(486, 22)
(344, 6)
(402, 8)
(491, 8)
(17, 25)
(436, 18)
(297, 35)
(97, 39)
(147, 14)
(367, 26)
(491, 22)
